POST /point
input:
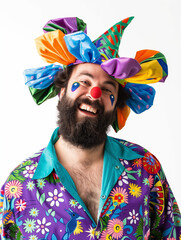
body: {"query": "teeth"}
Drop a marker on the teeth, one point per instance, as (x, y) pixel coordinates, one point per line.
(88, 108)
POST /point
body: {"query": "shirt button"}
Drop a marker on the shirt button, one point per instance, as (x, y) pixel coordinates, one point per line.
(103, 196)
(117, 167)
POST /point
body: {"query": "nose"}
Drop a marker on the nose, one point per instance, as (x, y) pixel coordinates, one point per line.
(96, 92)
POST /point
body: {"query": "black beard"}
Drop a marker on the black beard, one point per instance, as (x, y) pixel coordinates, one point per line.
(87, 132)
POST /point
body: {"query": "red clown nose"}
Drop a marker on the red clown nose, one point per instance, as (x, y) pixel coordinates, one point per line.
(96, 92)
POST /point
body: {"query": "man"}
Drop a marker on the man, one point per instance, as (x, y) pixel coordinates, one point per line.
(84, 184)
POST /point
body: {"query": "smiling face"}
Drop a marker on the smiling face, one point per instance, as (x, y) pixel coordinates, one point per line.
(89, 81)
(87, 106)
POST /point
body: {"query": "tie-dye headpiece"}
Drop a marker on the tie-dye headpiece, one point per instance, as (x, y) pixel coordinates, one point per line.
(65, 41)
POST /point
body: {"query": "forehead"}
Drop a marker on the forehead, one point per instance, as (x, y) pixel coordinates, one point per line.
(93, 71)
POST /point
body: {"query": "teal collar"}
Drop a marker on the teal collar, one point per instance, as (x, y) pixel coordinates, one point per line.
(114, 150)
(112, 168)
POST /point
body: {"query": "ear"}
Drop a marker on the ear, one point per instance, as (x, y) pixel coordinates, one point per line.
(62, 92)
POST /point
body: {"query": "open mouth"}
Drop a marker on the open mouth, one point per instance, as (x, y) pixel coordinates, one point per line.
(87, 109)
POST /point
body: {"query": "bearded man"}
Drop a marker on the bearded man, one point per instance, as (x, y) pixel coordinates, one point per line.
(85, 184)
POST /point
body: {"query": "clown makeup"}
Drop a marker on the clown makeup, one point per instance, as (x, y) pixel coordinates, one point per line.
(112, 99)
(74, 87)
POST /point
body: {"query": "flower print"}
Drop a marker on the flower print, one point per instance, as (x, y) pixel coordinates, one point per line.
(133, 217)
(135, 191)
(115, 228)
(78, 229)
(62, 189)
(34, 212)
(91, 232)
(139, 172)
(119, 195)
(146, 181)
(122, 179)
(73, 203)
(33, 237)
(55, 176)
(147, 235)
(145, 200)
(30, 186)
(29, 172)
(29, 225)
(105, 236)
(170, 210)
(146, 212)
(42, 226)
(124, 162)
(137, 163)
(13, 189)
(97, 234)
(55, 198)
(151, 179)
(150, 163)
(41, 183)
(20, 205)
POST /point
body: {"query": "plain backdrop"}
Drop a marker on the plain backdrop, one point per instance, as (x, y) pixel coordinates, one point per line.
(25, 127)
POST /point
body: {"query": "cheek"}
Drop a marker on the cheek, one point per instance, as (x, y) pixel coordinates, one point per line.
(112, 99)
(74, 87)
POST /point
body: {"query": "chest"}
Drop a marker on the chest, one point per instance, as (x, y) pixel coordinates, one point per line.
(88, 184)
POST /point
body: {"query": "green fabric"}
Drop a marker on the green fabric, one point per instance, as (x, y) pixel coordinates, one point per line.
(81, 25)
(155, 57)
(113, 31)
(55, 26)
(40, 95)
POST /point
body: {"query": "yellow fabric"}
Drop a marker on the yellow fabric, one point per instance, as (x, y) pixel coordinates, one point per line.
(52, 48)
(151, 72)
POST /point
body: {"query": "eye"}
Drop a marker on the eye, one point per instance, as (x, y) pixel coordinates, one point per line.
(106, 90)
(85, 82)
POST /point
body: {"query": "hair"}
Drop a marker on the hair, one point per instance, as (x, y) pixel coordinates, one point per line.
(62, 78)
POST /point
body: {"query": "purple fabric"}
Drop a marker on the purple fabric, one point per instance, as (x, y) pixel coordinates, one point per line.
(121, 67)
(44, 208)
(70, 24)
(163, 79)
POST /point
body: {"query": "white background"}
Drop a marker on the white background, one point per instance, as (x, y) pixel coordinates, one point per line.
(25, 127)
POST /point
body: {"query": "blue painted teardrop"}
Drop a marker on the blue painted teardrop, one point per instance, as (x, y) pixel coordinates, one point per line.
(112, 99)
(75, 85)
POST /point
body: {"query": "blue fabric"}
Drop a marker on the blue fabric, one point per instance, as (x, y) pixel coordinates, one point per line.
(41, 78)
(81, 46)
(141, 97)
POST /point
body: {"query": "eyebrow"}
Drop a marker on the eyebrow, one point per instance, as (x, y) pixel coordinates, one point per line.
(111, 83)
(106, 82)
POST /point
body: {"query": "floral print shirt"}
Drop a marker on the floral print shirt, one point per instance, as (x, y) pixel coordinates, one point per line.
(39, 200)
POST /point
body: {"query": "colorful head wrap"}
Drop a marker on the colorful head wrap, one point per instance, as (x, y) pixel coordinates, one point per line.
(65, 41)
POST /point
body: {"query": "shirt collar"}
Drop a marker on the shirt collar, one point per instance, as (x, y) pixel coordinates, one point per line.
(113, 150)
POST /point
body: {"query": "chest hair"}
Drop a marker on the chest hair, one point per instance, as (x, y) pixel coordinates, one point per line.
(88, 184)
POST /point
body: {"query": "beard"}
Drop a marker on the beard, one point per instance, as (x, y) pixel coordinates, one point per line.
(88, 132)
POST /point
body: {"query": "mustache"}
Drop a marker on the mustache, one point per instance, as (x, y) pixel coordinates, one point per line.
(95, 104)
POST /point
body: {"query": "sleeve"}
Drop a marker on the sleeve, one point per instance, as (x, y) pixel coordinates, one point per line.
(165, 217)
(8, 227)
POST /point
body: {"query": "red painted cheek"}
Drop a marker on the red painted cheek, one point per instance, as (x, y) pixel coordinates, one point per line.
(96, 92)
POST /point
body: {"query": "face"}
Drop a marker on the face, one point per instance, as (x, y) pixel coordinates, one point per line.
(86, 82)
(87, 106)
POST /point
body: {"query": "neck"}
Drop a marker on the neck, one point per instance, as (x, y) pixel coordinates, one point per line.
(70, 155)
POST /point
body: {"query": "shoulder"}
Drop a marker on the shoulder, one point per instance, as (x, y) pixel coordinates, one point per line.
(23, 171)
(147, 161)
